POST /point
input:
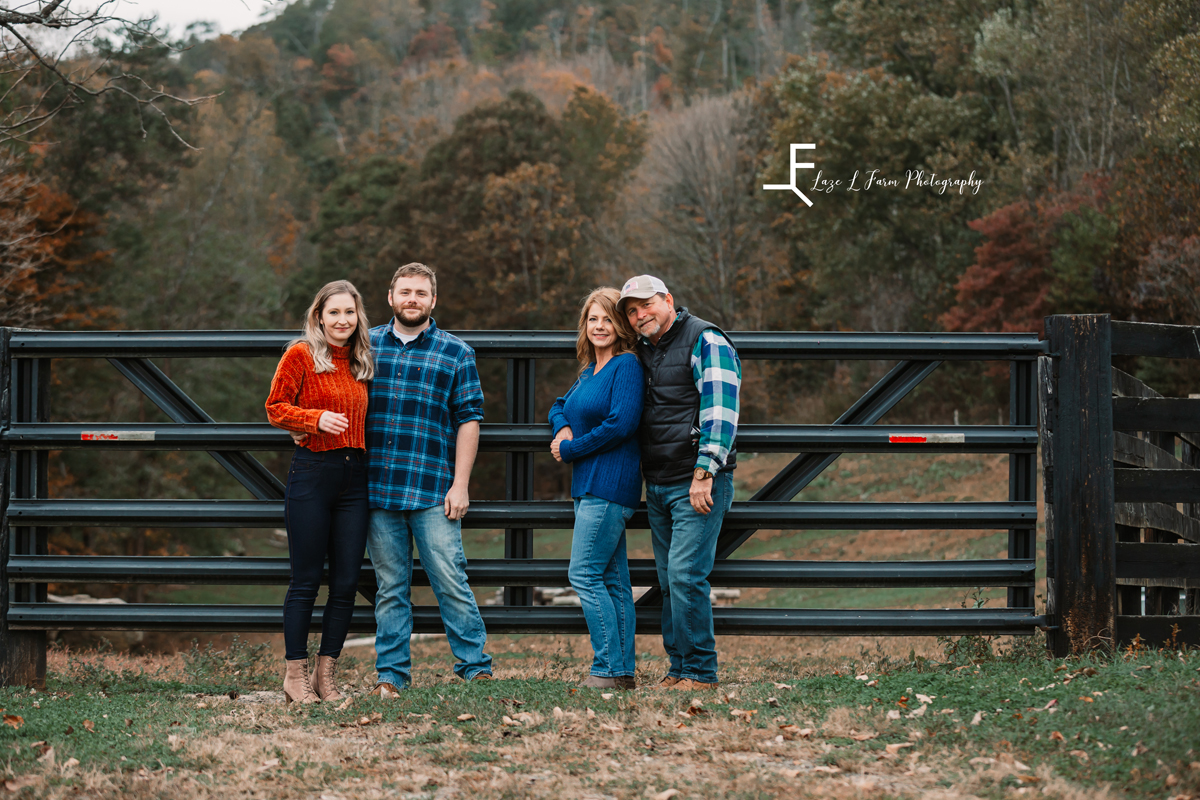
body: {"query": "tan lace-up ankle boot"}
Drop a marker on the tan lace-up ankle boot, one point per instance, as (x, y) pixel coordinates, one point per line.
(296, 686)
(323, 682)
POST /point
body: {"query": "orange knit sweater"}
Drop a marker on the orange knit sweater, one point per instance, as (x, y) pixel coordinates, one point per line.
(299, 396)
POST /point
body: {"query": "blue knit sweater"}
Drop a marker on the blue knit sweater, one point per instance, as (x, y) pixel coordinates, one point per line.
(603, 411)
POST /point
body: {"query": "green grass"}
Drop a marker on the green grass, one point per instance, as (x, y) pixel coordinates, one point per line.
(1130, 720)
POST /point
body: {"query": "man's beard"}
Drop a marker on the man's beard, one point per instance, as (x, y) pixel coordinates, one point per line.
(651, 330)
(404, 323)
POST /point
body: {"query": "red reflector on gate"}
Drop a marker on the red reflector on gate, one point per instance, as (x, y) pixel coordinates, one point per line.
(117, 436)
(894, 439)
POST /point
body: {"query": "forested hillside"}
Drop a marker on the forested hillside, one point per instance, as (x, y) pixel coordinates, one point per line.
(530, 150)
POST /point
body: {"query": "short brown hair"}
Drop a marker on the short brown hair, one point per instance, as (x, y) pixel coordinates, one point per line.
(415, 270)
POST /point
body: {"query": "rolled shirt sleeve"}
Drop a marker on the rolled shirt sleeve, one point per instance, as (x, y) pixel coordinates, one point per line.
(717, 371)
(466, 400)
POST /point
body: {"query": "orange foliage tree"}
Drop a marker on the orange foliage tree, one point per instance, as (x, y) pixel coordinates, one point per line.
(1011, 285)
(45, 252)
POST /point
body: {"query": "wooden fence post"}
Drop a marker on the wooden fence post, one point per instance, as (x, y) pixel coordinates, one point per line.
(1081, 485)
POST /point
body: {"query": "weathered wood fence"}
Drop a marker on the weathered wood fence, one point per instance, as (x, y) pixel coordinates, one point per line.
(1121, 471)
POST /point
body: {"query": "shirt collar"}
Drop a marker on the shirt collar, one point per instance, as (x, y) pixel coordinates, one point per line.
(391, 328)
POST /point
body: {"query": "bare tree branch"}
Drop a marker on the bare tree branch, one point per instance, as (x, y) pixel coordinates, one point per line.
(41, 73)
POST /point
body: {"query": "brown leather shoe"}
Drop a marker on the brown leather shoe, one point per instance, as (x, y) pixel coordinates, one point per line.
(385, 691)
(667, 682)
(689, 685)
(323, 682)
(482, 676)
(296, 686)
(626, 682)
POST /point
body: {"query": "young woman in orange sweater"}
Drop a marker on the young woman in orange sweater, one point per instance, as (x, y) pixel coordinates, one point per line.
(320, 389)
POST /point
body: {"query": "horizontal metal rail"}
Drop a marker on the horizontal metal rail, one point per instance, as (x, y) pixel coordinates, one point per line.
(268, 571)
(531, 438)
(535, 514)
(537, 619)
(781, 345)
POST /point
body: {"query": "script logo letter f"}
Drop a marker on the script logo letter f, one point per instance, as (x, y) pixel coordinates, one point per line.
(795, 165)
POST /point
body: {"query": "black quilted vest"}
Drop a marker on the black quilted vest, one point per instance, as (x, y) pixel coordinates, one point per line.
(669, 433)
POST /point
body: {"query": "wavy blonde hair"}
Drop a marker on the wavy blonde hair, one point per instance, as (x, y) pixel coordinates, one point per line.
(362, 360)
(606, 297)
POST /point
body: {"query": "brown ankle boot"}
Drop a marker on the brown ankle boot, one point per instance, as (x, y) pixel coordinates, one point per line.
(323, 682)
(296, 686)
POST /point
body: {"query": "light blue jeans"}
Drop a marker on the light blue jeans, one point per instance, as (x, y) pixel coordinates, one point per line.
(390, 539)
(599, 574)
(685, 547)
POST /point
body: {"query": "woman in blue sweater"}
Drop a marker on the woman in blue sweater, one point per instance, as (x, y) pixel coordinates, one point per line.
(595, 430)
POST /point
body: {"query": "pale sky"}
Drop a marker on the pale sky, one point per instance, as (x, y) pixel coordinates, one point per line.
(229, 15)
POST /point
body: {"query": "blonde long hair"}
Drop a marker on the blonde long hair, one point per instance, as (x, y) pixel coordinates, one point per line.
(362, 361)
(606, 297)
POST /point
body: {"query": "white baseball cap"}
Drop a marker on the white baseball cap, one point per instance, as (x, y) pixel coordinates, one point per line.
(641, 287)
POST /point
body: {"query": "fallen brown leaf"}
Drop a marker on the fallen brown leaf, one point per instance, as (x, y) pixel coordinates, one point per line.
(611, 728)
(17, 784)
(896, 748)
(13, 721)
(1081, 755)
(830, 770)
(465, 717)
(509, 721)
(861, 737)
(268, 764)
(744, 713)
(1138, 749)
(47, 756)
(667, 795)
(89, 726)
(1055, 736)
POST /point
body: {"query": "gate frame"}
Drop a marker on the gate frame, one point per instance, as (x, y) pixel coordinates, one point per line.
(26, 437)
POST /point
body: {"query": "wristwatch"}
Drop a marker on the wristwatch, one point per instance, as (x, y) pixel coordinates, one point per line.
(701, 474)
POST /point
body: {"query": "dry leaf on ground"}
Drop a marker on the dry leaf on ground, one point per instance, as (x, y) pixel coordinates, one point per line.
(465, 717)
(978, 716)
(893, 749)
(89, 726)
(13, 721)
(17, 784)
(268, 764)
(667, 795)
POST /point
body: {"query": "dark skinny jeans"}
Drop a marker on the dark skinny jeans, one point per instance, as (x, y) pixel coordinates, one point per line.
(325, 511)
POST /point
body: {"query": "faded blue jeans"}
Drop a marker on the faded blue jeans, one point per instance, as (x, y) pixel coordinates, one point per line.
(390, 539)
(685, 547)
(599, 574)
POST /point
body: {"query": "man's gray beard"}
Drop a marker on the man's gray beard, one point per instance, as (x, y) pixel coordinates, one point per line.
(651, 333)
(403, 324)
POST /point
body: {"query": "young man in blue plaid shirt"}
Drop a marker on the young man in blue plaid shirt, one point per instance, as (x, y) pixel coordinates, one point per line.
(422, 434)
(689, 424)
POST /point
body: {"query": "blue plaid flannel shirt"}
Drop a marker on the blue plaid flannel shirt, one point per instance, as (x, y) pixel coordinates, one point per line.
(717, 371)
(421, 393)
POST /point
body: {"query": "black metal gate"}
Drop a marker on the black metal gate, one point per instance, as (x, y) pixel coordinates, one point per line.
(26, 437)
